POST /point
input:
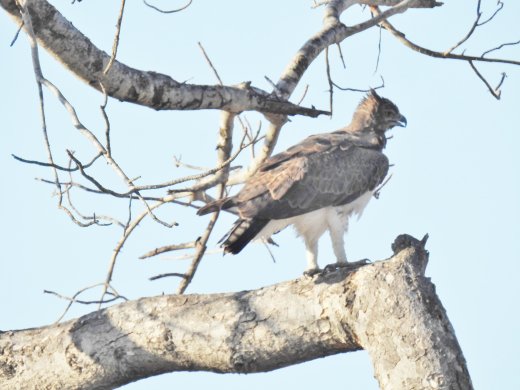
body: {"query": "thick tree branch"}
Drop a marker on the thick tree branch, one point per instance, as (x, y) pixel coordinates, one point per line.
(388, 308)
(76, 52)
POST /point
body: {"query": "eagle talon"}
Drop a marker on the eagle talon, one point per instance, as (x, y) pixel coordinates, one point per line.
(348, 265)
(312, 272)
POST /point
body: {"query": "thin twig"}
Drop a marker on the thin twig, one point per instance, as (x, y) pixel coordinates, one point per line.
(210, 63)
(16, 35)
(116, 37)
(168, 12)
(73, 299)
(377, 192)
(494, 91)
(160, 276)
(95, 191)
(461, 57)
(338, 45)
(378, 50)
(476, 24)
(104, 114)
(266, 245)
(127, 232)
(129, 219)
(58, 167)
(500, 47)
(90, 221)
(217, 169)
(382, 85)
(224, 147)
(179, 163)
(168, 248)
(186, 256)
(500, 5)
(329, 80)
(304, 94)
(40, 80)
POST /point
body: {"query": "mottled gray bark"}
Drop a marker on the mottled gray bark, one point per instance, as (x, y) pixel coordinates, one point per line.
(159, 91)
(388, 308)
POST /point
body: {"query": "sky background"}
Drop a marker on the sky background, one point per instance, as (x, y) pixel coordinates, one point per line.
(455, 173)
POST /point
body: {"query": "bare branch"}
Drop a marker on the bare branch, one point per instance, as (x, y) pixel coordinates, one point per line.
(90, 220)
(402, 38)
(103, 107)
(500, 5)
(377, 192)
(224, 147)
(476, 24)
(494, 91)
(382, 85)
(214, 180)
(329, 80)
(116, 39)
(95, 191)
(58, 167)
(16, 34)
(170, 11)
(500, 47)
(160, 276)
(378, 50)
(304, 93)
(210, 63)
(126, 234)
(73, 299)
(338, 45)
(168, 248)
(150, 89)
(179, 163)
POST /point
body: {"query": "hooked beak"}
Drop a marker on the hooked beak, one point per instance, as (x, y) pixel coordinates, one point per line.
(401, 121)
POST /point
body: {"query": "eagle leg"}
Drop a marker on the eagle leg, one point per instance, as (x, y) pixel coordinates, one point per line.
(311, 249)
(338, 225)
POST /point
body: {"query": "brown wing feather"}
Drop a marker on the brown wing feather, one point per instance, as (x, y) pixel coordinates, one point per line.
(331, 178)
(323, 170)
(314, 144)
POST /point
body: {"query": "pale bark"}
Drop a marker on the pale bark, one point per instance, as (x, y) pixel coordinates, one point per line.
(155, 90)
(388, 308)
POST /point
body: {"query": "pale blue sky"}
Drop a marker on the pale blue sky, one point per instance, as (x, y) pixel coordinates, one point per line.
(455, 175)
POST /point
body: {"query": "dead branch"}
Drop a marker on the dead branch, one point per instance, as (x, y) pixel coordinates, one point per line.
(170, 11)
(494, 91)
(55, 166)
(168, 248)
(224, 147)
(167, 275)
(113, 293)
(158, 91)
(255, 331)
(116, 39)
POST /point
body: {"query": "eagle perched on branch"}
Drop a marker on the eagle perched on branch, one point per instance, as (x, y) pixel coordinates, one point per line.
(315, 185)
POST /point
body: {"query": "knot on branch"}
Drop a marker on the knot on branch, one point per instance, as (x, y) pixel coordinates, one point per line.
(419, 258)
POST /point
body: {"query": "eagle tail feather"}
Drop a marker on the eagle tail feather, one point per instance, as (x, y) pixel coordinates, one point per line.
(241, 234)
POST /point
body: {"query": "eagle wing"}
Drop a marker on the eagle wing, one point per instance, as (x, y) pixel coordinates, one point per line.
(323, 170)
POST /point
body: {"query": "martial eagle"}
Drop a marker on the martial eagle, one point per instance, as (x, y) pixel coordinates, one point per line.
(315, 185)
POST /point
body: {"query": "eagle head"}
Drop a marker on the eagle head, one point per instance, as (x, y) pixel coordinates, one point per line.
(377, 114)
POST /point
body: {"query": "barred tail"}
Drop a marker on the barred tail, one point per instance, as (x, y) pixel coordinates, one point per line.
(241, 234)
